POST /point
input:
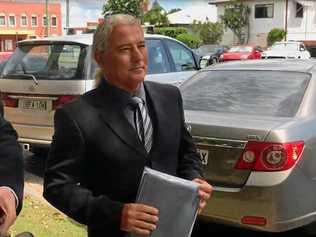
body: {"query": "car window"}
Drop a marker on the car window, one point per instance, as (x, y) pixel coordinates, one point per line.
(285, 46)
(157, 57)
(47, 62)
(182, 57)
(267, 93)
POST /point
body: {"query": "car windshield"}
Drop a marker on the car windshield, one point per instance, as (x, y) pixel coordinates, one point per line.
(46, 61)
(285, 46)
(240, 49)
(265, 93)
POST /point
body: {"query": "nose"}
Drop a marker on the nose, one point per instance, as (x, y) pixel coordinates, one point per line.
(137, 54)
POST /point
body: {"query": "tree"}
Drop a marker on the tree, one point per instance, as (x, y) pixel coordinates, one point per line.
(209, 33)
(156, 16)
(173, 10)
(236, 18)
(132, 7)
(276, 34)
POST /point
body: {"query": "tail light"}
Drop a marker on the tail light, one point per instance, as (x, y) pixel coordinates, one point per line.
(9, 101)
(64, 99)
(267, 156)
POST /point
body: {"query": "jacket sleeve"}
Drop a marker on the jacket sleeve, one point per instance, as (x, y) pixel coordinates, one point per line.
(11, 161)
(190, 165)
(64, 176)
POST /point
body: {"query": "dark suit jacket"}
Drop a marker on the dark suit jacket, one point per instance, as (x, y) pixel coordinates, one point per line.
(96, 159)
(11, 159)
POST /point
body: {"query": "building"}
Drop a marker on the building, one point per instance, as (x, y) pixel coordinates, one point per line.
(188, 15)
(296, 17)
(22, 20)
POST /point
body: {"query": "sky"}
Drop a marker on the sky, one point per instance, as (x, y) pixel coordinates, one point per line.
(82, 11)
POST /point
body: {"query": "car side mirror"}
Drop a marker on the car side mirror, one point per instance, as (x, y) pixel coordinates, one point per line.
(187, 67)
(203, 63)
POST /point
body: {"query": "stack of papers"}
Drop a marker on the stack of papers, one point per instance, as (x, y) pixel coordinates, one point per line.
(176, 199)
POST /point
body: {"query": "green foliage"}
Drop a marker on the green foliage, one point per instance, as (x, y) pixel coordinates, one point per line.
(173, 10)
(156, 16)
(190, 40)
(132, 7)
(276, 34)
(171, 31)
(209, 33)
(42, 220)
(236, 18)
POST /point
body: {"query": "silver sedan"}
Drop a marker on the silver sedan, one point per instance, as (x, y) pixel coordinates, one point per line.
(254, 124)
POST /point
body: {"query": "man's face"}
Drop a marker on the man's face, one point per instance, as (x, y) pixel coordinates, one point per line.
(125, 61)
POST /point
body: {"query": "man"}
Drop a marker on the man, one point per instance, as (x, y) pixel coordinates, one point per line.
(11, 175)
(101, 145)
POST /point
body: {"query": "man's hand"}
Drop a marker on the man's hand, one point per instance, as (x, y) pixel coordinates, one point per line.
(139, 218)
(205, 190)
(7, 210)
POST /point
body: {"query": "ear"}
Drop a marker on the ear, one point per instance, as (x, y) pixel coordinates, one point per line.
(98, 58)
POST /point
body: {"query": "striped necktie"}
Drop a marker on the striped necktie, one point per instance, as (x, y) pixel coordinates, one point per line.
(143, 123)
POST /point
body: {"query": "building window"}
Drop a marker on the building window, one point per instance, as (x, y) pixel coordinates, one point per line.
(45, 20)
(34, 20)
(53, 21)
(11, 20)
(8, 45)
(23, 20)
(264, 11)
(2, 20)
(299, 10)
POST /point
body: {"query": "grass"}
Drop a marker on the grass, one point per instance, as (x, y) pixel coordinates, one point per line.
(42, 220)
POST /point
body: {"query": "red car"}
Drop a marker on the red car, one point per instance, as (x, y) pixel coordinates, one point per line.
(241, 53)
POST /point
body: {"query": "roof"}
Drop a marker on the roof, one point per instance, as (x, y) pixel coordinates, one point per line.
(85, 39)
(198, 13)
(298, 65)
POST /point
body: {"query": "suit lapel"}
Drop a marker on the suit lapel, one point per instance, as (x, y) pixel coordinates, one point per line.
(110, 107)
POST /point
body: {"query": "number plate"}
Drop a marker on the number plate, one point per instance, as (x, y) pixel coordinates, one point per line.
(204, 156)
(33, 104)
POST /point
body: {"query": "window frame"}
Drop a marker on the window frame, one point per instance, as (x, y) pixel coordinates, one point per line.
(32, 17)
(21, 20)
(299, 10)
(5, 19)
(261, 6)
(45, 20)
(9, 20)
(51, 20)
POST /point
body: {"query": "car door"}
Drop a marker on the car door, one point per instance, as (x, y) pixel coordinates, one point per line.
(179, 61)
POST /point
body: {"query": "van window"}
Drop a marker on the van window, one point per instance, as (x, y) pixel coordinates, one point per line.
(46, 62)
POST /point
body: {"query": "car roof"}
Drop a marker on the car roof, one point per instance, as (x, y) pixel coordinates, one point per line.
(81, 39)
(299, 65)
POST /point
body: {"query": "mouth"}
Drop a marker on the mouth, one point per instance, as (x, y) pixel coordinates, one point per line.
(137, 69)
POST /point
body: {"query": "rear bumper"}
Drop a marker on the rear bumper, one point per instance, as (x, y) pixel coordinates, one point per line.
(287, 205)
(39, 136)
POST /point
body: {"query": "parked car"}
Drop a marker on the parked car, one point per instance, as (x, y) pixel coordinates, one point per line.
(210, 53)
(287, 49)
(241, 53)
(254, 123)
(44, 74)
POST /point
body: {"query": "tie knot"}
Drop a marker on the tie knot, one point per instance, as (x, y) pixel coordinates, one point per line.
(136, 100)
